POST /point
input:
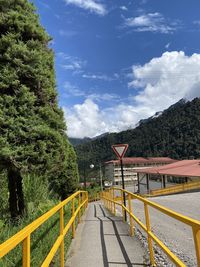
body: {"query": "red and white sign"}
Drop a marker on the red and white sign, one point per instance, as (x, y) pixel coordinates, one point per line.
(120, 150)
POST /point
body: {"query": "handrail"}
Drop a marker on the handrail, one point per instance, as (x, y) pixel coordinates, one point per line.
(175, 189)
(94, 197)
(110, 202)
(24, 235)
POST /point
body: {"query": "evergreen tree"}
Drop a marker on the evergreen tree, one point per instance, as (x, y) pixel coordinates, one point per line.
(32, 129)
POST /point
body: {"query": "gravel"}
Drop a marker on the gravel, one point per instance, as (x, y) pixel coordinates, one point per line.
(175, 235)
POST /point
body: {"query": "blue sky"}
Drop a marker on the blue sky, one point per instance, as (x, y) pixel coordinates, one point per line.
(121, 61)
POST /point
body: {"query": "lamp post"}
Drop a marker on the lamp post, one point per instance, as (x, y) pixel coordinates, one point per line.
(85, 183)
(100, 176)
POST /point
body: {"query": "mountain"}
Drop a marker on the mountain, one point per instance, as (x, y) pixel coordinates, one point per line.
(78, 141)
(159, 113)
(174, 133)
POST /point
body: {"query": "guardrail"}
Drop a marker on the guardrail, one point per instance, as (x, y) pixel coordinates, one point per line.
(109, 197)
(24, 236)
(176, 189)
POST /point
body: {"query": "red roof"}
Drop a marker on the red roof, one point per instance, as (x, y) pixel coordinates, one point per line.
(137, 160)
(189, 168)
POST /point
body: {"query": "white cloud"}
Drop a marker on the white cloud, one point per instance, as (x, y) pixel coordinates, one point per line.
(124, 8)
(45, 5)
(151, 22)
(103, 77)
(197, 22)
(93, 6)
(67, 33)
(71, 63)
(167, 45)
(167, 79)
(104, 97)
(73, 90)
(161, 82)
(88, 119)
(84, 120)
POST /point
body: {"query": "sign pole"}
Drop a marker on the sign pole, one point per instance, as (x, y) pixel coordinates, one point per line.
(124, 196)
(120, 151)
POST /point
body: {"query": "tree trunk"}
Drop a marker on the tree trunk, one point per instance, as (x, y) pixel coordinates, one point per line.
(12, 194)
(16, 196)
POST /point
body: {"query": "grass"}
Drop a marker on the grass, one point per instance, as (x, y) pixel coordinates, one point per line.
(41, 241)
(39, 200)
(93, 191)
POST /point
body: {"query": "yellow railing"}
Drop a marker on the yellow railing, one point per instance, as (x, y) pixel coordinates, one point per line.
(175, 189)
(24, 236)
(109, 197)
(94, 197)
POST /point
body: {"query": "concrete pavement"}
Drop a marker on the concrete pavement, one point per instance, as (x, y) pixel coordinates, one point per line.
(103, 240)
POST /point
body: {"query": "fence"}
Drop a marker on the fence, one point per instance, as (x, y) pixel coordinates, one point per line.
(109, 197)
(176, 189)
(24, 236)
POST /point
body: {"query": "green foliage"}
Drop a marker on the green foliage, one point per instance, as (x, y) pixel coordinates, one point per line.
(35, 191)
(176, 134)
(32, 129)
(3, 196)
(41, 240)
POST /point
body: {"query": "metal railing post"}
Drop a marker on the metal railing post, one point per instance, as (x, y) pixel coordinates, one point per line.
(62, 256)
(26, 257)
(152, 260)
(73, 224)
(84, 203)
(110, 197)
(130, 218)
(196, 235)
(122, 202)
(79, 212)
(87, 199)
(107, 199)
(114, 206)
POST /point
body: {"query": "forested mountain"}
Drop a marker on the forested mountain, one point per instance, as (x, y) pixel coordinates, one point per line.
(33, 141)
(174, 133)
(79, 141)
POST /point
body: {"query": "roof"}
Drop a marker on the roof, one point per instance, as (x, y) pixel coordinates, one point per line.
(137, 160)
(186, 168)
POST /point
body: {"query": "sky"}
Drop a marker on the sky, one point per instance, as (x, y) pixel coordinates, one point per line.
(118, 61)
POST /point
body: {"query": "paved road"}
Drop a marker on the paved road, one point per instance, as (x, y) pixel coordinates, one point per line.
(177, 236)
(103, 241)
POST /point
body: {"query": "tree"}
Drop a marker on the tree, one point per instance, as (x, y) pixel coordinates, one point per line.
(66, 182)
(32, 128)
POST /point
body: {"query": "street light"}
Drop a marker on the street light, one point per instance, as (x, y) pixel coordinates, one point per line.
(91, 167)
(100, 174)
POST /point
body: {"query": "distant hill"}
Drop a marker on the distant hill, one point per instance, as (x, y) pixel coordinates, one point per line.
(175, 133)
(78, 141)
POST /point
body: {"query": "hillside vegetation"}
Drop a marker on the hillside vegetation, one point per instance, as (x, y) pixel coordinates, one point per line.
(175, 134)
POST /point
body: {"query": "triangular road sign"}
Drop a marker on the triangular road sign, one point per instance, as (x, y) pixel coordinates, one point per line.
(120, 150)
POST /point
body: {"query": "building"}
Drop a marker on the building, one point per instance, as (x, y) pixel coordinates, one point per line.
(130, 165)
(182, 171)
